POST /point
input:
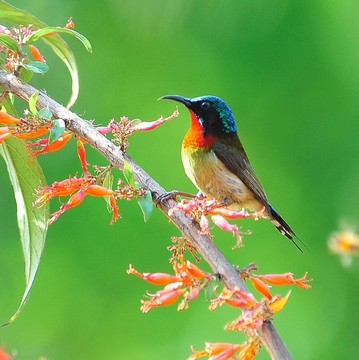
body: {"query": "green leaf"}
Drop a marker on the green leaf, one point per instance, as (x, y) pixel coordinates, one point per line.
(211, 289)
(107, 183)
(37, 67)
(59, 46)
(45, 114)
(25, 74)
(146, 205)
(32, 103)
(7, 104)
(52, 29)
(128, 173)
(25, 176)
(57, 130)
(9, 42)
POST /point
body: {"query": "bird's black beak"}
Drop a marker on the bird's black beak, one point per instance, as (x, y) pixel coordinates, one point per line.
(183, 100)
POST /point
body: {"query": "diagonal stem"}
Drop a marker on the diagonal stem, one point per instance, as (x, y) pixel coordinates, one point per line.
(189, 228)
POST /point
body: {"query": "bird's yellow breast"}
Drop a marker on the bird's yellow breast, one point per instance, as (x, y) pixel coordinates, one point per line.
(215, 181)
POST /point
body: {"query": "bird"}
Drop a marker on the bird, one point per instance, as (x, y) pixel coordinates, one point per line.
(215, 161)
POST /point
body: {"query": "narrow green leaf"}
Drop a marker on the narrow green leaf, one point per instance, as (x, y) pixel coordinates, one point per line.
(17, 16)
(32, 103)
(52, 29)
(128, 173)
(37, 67)
(64, 52)
(59, 46)
(57, 130)
(146, 205)
(9, 42)
(25, 176)
(45, 114)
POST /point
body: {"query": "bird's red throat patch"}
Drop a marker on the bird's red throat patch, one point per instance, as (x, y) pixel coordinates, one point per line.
(195, 136)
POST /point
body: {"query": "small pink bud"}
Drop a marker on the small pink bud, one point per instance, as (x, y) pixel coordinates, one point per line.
(204, 224)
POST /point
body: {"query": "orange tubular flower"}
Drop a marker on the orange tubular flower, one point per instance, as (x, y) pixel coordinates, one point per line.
(98, 190)
(285, 279)
(6, 119)
(33, 134)
(195, 271)
(74, 200)
(56, 145)
(235, 298)
(82, 156)
(261, 287)
(217, 351)
(167, 296)
(59, 188)
(188, 281)
(82, 186)
(36, 54)
(226, 354)
(114, 207)
(153, 278)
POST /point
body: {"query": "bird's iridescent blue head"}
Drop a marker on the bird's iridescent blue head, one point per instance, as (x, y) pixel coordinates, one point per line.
(212, 112)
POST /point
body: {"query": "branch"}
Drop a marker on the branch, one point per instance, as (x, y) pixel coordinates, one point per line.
(189, 228)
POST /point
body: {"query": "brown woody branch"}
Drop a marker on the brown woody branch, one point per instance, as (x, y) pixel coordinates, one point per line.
(189, 228)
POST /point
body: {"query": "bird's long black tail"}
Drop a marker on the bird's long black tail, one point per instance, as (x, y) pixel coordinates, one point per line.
(284, 228)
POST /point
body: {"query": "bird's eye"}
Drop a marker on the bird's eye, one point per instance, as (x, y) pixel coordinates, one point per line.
(205, 105)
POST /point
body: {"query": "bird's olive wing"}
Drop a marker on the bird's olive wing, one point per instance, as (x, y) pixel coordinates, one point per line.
(230, 151)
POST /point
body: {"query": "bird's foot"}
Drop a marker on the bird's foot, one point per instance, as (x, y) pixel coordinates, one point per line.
(171, 195)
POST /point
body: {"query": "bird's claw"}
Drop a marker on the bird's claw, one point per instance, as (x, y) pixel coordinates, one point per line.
(171, 195)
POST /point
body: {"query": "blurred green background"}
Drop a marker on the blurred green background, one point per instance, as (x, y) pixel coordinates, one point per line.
(290, 72)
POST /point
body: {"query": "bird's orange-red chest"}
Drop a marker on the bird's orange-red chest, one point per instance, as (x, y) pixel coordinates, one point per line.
(196, 137)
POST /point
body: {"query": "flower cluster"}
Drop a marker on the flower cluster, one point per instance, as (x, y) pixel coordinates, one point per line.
(255, 312)
(79, 188)
(125, 127)
(14, 57)
(228, 351)
(188, 281)
(13, 42)
(200, 207)
(29, 127)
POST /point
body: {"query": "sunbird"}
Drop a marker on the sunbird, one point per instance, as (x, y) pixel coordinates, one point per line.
(215, 161)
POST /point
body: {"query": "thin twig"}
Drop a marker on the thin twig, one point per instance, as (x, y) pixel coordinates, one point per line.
(189, 228)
